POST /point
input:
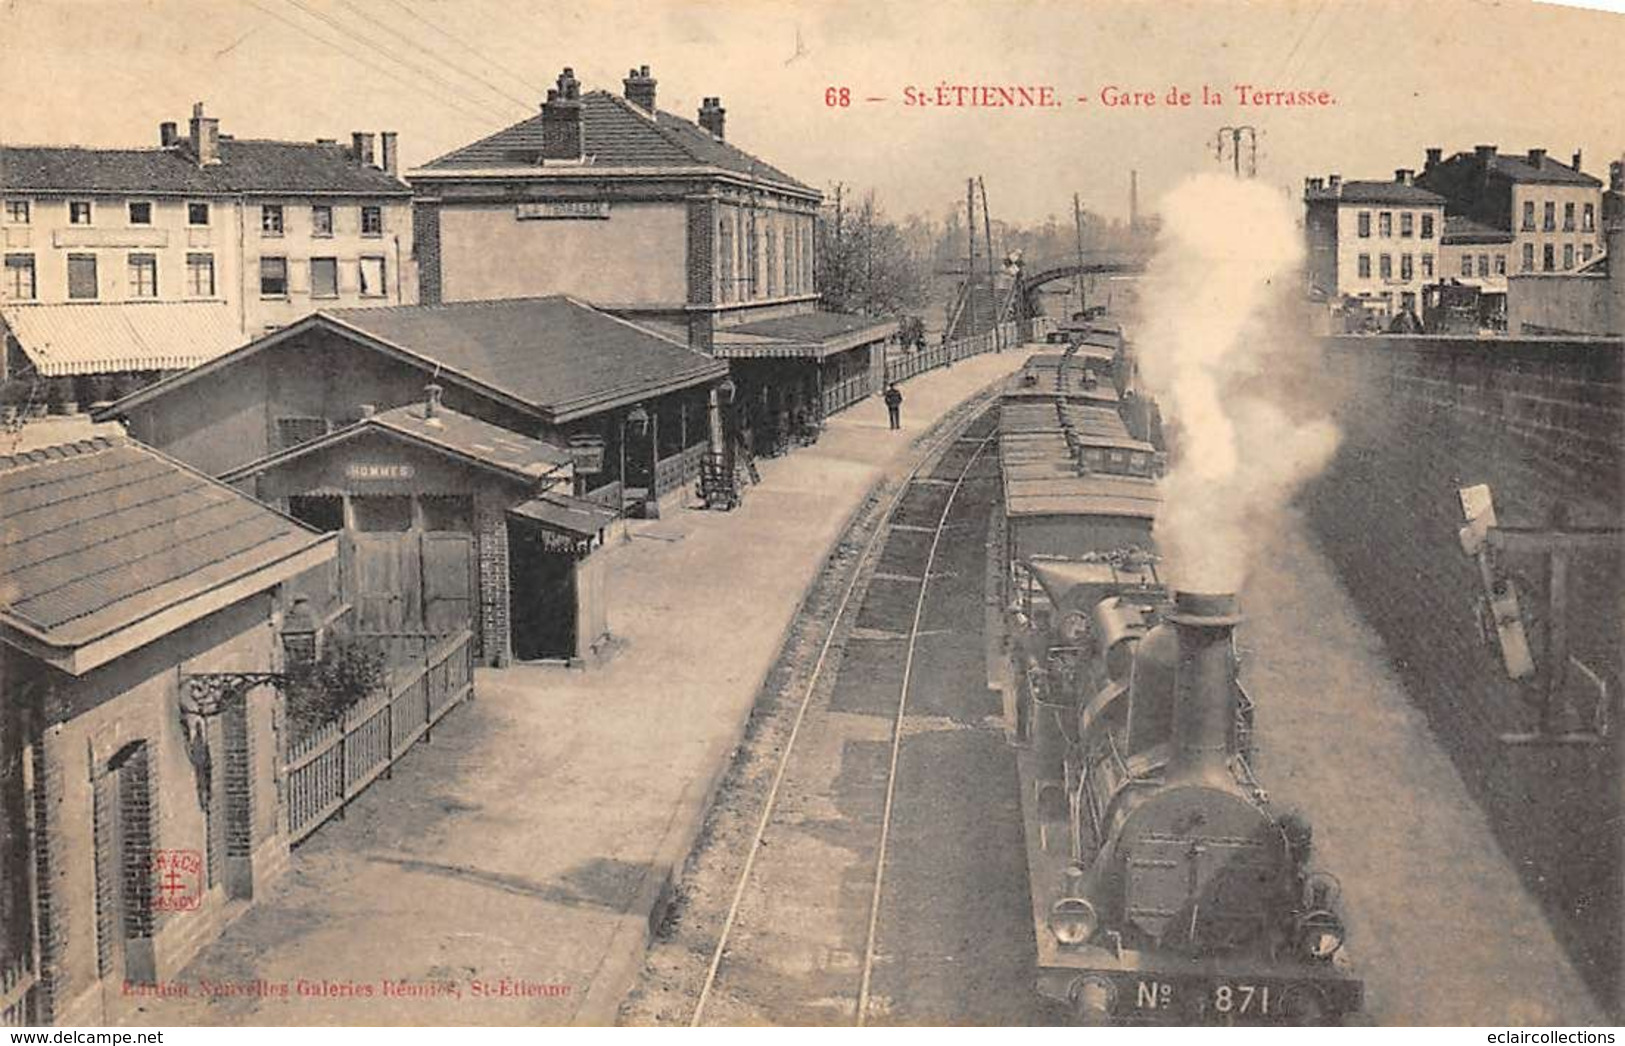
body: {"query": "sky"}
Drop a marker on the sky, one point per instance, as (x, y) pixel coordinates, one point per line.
(1402, 74)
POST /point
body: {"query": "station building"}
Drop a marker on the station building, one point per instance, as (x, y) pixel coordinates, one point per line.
(473, 454)
(651, 216)
(139, 756)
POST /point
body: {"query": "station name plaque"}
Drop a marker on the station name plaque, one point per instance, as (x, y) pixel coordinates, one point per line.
(544, 210)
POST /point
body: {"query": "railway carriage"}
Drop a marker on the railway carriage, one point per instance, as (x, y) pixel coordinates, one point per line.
(1166, 887)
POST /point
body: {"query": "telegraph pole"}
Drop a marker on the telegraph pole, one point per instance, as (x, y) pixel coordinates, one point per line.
(992, 285)
(970, 261)
(1077, 226)
(1235, 134)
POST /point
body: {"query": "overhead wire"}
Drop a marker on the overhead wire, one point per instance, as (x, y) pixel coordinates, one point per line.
(519, 78)
(448, 63)
(344, 30)
(382, 70)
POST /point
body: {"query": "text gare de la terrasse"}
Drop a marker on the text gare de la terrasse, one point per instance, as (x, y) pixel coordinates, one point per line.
(946, 95)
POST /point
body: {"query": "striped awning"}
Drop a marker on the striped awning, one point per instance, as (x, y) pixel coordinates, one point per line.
(102, 338)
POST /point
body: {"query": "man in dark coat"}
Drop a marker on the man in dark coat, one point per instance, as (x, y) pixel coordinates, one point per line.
(894, 405)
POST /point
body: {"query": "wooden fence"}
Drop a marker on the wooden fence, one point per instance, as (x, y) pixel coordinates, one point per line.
(324, 771)
(17, 980)
(1007, 335)
(678, 470)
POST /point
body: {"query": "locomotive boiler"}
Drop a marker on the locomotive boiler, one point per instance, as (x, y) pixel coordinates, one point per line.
(1166, 887)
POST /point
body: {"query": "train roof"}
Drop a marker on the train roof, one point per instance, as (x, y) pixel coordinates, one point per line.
(1041, 478)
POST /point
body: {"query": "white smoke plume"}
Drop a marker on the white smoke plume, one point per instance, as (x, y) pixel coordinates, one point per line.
(1213, 342)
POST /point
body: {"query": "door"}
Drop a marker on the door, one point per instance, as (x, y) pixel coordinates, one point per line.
(386, 578)
(448, 582)
(541, 595)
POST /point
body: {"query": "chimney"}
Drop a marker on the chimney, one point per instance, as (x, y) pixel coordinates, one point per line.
(561, 119)
(355, 145)
(640, 89)
(1405, 176)
(713, 116)
(1204, 687)
(205, 137)
(431, 404)
(388, 157)
(1435, 157)
(1334, 182)
(1616, 176)
(368, 410)
(169, 134)
(1577, 157)
(1484, 152)
(363, 147)
(1536, 156)
(327, 141)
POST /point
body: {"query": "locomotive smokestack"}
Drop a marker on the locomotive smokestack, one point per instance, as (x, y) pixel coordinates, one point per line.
(1204, 686)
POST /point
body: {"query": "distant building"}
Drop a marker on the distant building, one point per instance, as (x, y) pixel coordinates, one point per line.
(1552, 210)
(140, 761)
(1376, 243)
(157, 259)
(660, 219)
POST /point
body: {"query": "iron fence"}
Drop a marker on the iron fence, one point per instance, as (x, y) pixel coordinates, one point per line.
(328, 768)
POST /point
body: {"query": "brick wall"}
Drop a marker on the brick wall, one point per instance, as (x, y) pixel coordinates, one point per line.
(491, 541)
(426, 247)
(1539, 421)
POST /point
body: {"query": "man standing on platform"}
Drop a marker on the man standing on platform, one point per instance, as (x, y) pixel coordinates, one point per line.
(894, 405)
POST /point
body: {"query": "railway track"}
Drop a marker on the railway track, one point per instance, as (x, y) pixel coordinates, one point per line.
(805, 932)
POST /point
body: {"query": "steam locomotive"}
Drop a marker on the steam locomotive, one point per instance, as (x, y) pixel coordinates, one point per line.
(1166, 888)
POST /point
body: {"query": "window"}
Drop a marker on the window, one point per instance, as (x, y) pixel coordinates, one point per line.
(372, 277)
(20, 277)
(1588, 217)
(17, 212)
(1365, 225)
(372, 221)
(1568, 217)
(1528, 257)
(1427, 266)
(1528, 215)
(79, 212)
(451, 512)
(324, 277)
(1406, 271)
(1500, 265)
(271, 219)
(273, 277)
(321, 220)
(725, 247)
(140, 213)
(1385, 266)
(1407, 224)
(291, 432)
(1549, 257)
(1568, 256)
(772, 264)
(200, 275)
(1427, 226)
(82, 276)
(1365, 266)
(143, 276)
(1385, 224)
(1483, 265)
(324, 512)
(1466, 264)
(379, 514)
(1549, 217)
(1585, 252)
(197, 214)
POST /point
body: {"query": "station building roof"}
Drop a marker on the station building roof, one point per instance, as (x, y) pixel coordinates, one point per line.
(109, 545)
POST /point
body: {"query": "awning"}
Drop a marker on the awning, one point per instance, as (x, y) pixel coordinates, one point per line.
(102, 338)
(566, 514)
(810, 335)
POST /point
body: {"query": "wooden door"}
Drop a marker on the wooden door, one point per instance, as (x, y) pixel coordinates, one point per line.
(387, 582)
(448, 582)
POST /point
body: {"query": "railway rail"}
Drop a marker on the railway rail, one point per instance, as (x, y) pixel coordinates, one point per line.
(957, 454)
